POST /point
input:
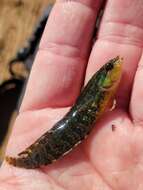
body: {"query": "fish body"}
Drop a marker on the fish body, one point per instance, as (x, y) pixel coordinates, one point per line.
(77, 123)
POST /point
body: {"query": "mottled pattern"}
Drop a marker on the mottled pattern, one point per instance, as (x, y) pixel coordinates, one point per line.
(77, 123)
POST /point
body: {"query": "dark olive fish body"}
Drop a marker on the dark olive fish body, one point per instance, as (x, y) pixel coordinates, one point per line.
(77, 123)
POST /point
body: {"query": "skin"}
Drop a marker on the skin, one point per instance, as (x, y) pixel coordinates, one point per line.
(112, 157)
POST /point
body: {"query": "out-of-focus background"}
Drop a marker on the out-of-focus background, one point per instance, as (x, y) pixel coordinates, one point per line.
(21, 26)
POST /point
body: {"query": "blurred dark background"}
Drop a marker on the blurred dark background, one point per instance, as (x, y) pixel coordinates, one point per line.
(21, 25)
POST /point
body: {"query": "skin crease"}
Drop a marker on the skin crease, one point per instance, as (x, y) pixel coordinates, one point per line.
(108, 159)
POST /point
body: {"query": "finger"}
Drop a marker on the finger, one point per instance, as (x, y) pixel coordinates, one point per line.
(136, 105)
(121, 33)
(58, 70)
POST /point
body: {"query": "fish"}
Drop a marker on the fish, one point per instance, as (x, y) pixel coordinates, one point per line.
(77, 123)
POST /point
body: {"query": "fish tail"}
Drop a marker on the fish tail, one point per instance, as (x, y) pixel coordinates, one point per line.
(20, 162)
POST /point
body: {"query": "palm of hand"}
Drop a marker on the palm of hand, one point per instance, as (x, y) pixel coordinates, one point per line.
(111, 158)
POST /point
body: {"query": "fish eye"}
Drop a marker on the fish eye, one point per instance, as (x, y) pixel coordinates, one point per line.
(109, 66)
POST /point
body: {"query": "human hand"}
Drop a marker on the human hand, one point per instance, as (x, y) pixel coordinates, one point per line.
(112, 156)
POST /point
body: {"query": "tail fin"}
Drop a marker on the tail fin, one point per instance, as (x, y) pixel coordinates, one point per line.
(21, 162)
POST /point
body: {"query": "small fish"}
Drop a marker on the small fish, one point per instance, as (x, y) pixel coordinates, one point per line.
(77, 123)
